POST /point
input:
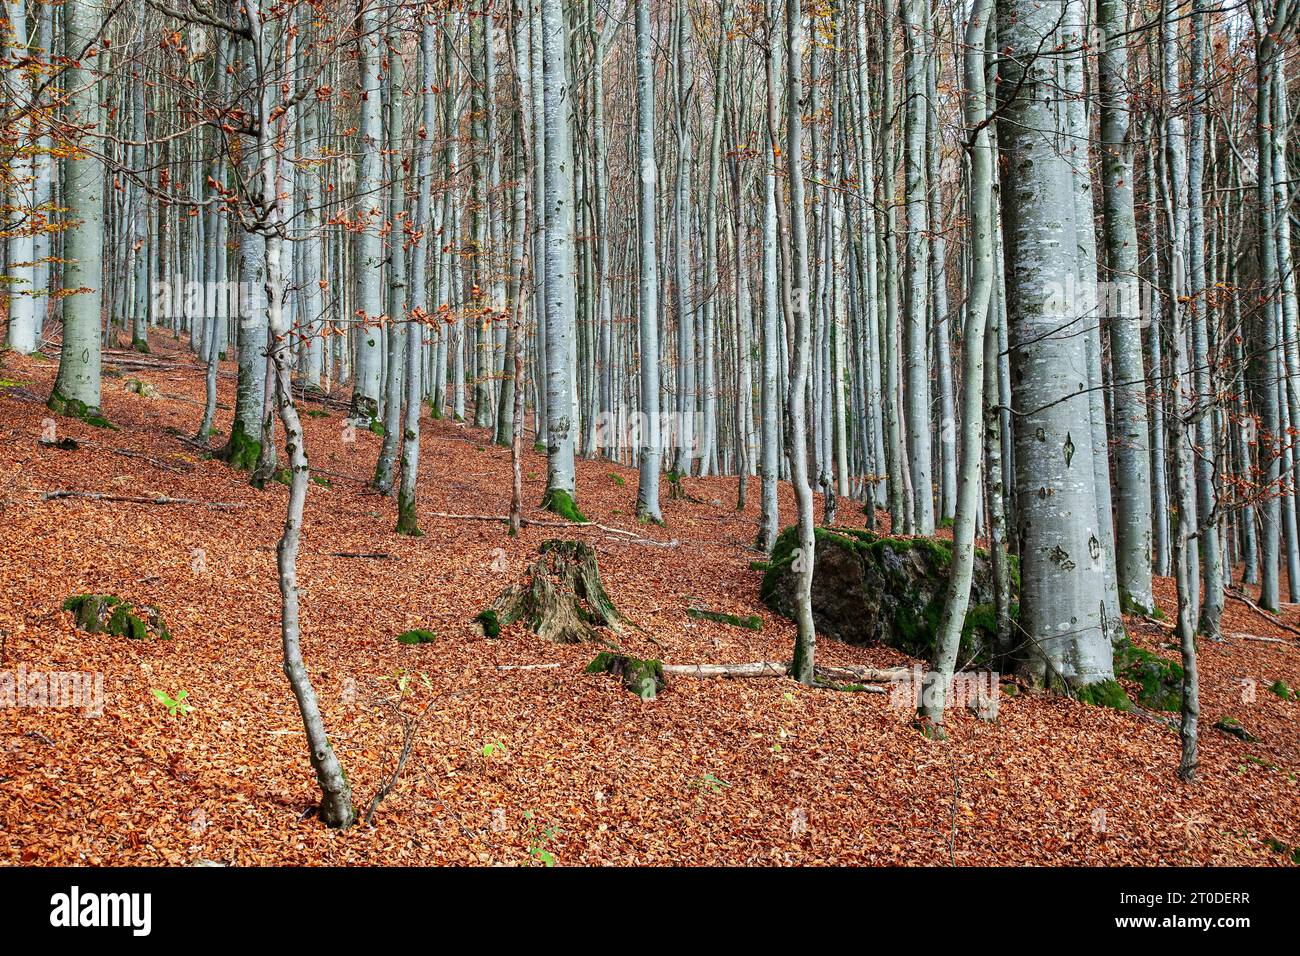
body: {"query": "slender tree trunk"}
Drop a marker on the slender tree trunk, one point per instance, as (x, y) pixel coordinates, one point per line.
(948, 638)
(802, 666)
(647, 494)
(368, 245)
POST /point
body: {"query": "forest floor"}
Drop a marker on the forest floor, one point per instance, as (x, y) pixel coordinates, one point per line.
(518, 766)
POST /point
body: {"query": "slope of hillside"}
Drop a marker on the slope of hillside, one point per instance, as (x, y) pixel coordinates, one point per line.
(511, 765)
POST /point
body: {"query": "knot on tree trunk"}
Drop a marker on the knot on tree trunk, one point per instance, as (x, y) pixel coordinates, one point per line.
(562, 599)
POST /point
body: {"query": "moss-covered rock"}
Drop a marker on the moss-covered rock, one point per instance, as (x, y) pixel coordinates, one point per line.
(490, 622)
(645, 678)
(1160, 681)
(416, 636)
(1279, 688)
(874, 589)
(108, 614)
(138, 386)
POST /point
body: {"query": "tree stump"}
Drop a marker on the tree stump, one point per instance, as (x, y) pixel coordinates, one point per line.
(562, 601)
(108, 614)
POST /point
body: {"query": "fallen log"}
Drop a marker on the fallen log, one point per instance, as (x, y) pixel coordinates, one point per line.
(1237, 636)
(848, 674)
(752, 669)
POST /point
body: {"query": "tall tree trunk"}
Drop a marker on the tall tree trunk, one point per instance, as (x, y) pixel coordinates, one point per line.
(802, 665)
(647, 494)
(368, 213)
(948, 638)
(1132, 457)
(1061, 555)
(76, 387)
(561, 289)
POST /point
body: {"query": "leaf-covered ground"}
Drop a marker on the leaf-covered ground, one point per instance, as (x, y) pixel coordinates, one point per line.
(521, 766)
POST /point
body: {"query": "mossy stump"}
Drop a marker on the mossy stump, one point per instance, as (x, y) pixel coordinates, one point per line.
(108, 614)
(562, 599)
(641, 677)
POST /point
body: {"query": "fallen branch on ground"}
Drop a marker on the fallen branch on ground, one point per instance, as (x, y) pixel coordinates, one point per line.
(139, 499)
(1255, 637)
(1271, 618)
(848, 674)
(156, 462)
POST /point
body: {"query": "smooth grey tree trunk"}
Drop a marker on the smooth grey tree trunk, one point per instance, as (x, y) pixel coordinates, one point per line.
(647, 493)
(368, 213)
(1132, 489)
(957, 599)
(802, 665)
(561, 288)
(77, 386)
(1061, 553)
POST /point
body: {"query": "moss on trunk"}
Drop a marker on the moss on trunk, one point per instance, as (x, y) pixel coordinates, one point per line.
(75, 408)
(560, 502)
(243, 451)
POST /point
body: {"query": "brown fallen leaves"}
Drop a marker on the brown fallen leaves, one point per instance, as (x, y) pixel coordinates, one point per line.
(521, 766)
